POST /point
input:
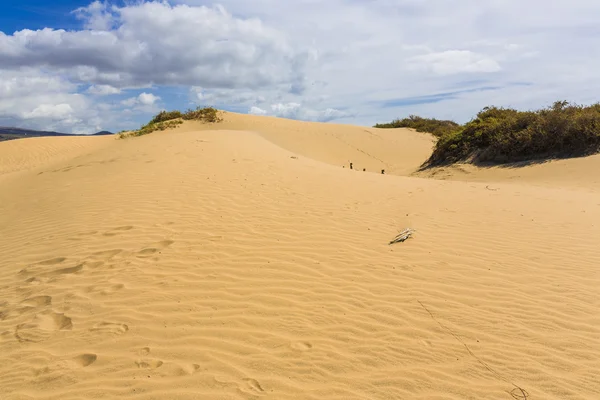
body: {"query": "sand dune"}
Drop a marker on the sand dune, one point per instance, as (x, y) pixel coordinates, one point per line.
(573, 172)
(26, 154)
(397, 151)
(239, 265)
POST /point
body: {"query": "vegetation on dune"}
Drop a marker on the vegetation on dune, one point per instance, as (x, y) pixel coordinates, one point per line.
(504, 135)
(166, 116)
(206, 114)
(152, 127)
(436, 127)
(171, 119)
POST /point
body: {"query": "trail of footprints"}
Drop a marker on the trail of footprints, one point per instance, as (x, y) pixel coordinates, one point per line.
(146, 361)
(43, 321)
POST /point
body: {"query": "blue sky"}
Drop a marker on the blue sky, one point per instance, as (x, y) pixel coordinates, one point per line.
(39, 14)
(82, 66)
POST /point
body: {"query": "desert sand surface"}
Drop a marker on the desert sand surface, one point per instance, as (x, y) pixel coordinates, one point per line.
(572, 172)
(246, 263)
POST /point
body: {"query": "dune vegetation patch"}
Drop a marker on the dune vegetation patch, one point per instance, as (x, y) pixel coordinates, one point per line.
(505, 135)
(436, 127)
(171, 119)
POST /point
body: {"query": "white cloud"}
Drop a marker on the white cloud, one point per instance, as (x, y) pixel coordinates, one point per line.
(366, 62)
(212, 97)
(257, 111)
(143, 102)
(36, 99)
(103, 90)
(148, 99)
(39, 100)
(156, 43)
(368, 53)
(454, 62)
(130, 102)
(96, 16)
(298, 111)
(52, 111)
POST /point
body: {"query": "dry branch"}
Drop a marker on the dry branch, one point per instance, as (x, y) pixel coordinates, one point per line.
(402, 236)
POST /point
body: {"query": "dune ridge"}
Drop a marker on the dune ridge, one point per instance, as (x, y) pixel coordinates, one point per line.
(219, 264)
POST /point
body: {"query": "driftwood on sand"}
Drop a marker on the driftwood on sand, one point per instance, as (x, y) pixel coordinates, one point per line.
(402, 236)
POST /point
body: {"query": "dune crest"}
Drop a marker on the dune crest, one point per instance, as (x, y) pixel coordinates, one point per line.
(238, 265)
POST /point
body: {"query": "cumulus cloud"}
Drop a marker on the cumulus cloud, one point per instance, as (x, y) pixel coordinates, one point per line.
(96, 16)
(60, 111)
(148, 99)
(298, 111)
(35, 99)
(257, 111)
(365, 62)
(216, 97)
(454, 62)
(156, 43)
(142, 101)
(103, 90)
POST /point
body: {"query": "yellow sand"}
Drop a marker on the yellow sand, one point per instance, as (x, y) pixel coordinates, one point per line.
(235, 264)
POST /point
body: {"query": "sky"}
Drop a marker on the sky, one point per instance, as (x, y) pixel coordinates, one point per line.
(81, 67)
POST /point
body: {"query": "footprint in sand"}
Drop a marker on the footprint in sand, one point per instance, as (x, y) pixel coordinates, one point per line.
(149, 363)
(110, 328)
(172, 369)
(53, 261)
(84, 360)
(37, 301)
(144, 351)
(38, 275)
(94, 264)
(149, 251)
(301, 346)
(63, 271)
(104, 289)
(251, 386)
(166, 368)
(82, 235)
(117, 230)
(106, 254)
(43, 326)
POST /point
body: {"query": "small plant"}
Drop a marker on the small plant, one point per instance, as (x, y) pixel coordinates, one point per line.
(152, 127)
(436, 127)
(204, 114)
(505, 135)
(170, 119)
(165, 116)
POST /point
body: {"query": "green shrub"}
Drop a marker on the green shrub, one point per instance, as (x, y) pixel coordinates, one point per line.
(165, 116)
(504, 135)
(152, 127)
(170, 119)
(434, 126)
(205, 114)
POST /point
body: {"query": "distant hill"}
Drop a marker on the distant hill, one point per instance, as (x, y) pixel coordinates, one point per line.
(9, 133)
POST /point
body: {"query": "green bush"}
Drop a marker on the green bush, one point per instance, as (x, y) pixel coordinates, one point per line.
(170, 119)
(205, 114)
(152, 127)
(165, 116)
(504, 135)
(434, 126)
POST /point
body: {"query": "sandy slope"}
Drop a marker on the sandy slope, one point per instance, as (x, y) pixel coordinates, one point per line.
(218, 265)
(26, 154)
(578, 173)
(398, 151)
